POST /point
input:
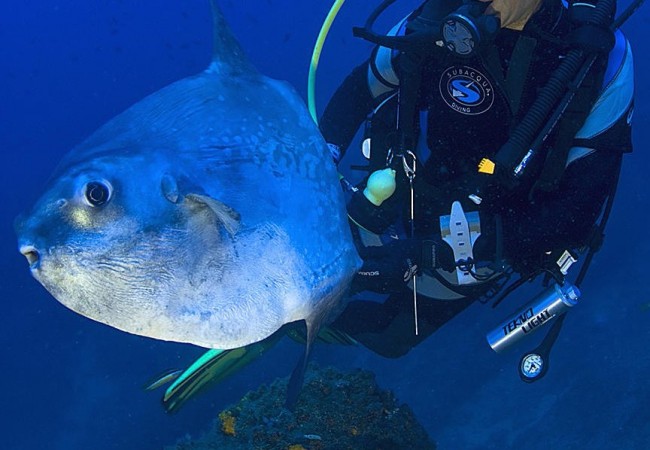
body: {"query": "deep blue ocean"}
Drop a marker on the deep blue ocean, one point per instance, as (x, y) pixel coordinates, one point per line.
(68, 66)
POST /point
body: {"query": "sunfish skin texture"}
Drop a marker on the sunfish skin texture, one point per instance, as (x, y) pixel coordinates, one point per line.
(210, 213)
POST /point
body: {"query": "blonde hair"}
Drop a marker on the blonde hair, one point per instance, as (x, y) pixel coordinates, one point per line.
(513, 13)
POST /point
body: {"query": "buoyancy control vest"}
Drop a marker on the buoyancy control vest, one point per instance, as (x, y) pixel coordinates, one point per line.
(471, 98)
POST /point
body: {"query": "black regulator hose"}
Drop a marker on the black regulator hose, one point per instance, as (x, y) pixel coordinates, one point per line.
(370, 22)
(510, 154)
(421, 38)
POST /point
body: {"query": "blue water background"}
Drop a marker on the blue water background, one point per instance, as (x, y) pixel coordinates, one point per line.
(69, 383)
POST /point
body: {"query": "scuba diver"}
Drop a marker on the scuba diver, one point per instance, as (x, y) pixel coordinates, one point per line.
(494, 133)
(452, 207)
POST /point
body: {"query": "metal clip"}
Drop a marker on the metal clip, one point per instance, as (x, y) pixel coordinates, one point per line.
(565, 261)
(389, 157)
(409, 163)
(409, 170)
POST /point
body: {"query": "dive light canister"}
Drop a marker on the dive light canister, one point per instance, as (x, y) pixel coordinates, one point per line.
(548, 304)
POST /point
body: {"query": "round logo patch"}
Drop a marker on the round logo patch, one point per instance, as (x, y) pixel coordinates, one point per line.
(466, 90)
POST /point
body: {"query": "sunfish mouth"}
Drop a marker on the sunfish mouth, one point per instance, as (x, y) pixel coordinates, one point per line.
(31, 253)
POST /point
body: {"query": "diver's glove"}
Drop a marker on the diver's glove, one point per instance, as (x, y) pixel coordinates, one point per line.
(389, 267)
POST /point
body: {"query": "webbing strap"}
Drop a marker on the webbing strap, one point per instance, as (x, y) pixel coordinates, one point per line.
(514, 82)
(522, 56)
(569, 125)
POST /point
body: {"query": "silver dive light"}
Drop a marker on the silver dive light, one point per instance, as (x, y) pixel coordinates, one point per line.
(550, 303)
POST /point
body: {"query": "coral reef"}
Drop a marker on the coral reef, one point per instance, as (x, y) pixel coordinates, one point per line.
(336, 411)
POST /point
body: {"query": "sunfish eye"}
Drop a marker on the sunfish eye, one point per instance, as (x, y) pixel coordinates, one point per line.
(97, 193)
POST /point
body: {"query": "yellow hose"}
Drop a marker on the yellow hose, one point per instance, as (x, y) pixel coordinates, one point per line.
(315, 57)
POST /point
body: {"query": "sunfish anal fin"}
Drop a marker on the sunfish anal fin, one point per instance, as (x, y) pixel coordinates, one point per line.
(298, 374)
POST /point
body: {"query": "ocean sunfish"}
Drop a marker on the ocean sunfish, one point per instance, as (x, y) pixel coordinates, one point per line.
(209, 213)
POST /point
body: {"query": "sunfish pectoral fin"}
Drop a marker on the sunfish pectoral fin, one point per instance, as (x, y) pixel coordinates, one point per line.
(227, 216)
(298, 374)
(169, 188)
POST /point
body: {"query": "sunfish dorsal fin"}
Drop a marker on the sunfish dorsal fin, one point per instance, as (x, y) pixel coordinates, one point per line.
(228, 58)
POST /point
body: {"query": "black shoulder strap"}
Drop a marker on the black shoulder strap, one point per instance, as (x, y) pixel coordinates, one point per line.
(514, 82)
(570, 123)
(522, 56)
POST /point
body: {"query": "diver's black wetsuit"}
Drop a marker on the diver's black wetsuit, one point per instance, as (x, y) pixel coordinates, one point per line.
(458, 135)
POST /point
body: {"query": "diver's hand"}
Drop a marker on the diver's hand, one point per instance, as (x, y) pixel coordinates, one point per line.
(388, 267)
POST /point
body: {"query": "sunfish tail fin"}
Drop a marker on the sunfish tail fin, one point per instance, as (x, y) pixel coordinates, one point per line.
(228, 58)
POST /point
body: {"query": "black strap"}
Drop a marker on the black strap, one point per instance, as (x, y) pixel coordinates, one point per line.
(520, 60)
(599, 231)
(410, 64)
(540, 120)
(514, 82)
(570, 123)
(492, 62)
